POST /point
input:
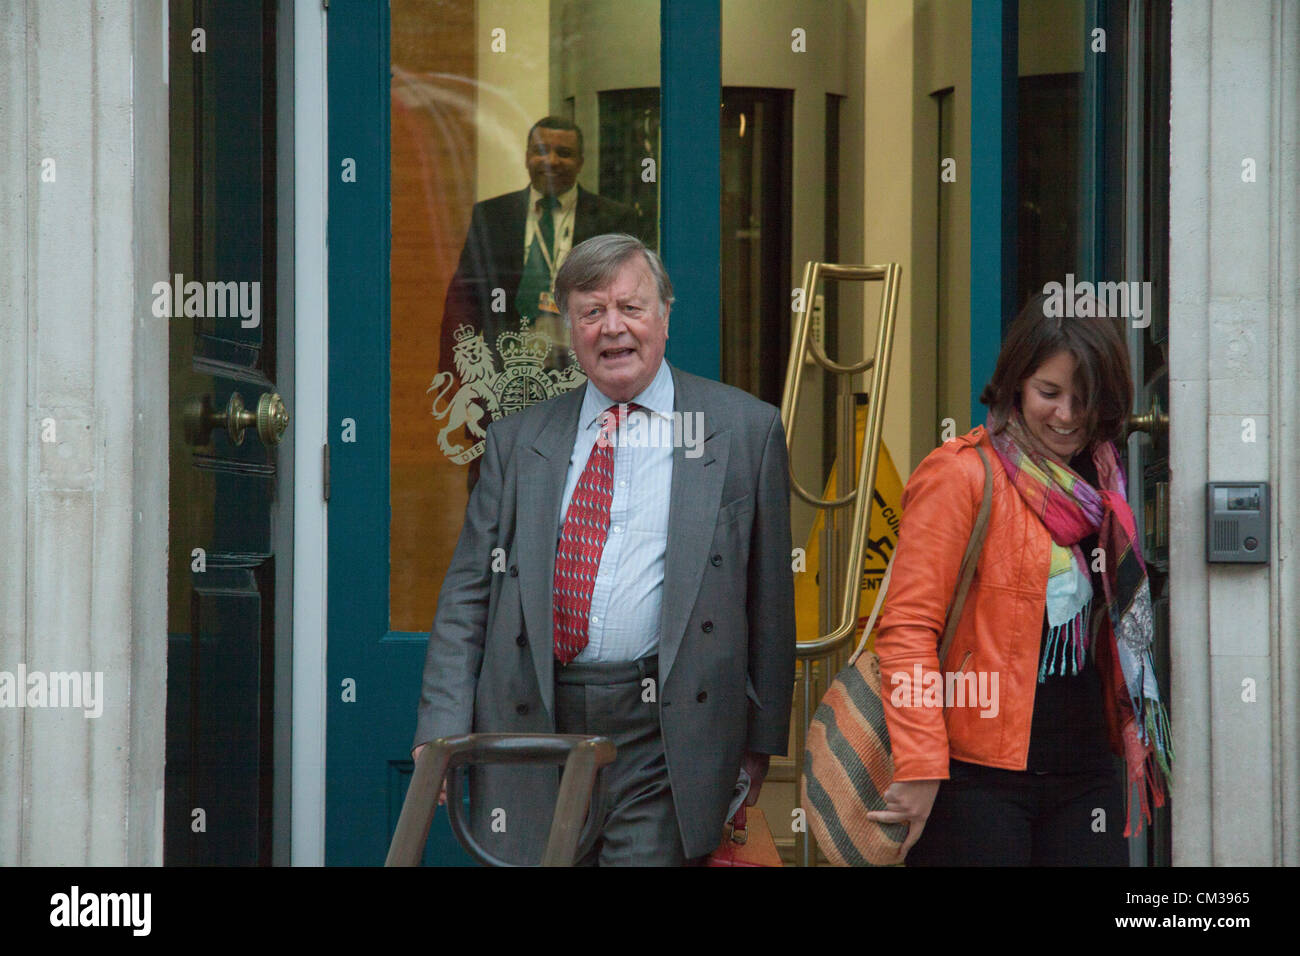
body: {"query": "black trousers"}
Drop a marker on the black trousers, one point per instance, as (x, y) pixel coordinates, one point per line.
(985, 816)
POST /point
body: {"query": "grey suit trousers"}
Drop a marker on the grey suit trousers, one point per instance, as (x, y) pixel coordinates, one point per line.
(620, 701)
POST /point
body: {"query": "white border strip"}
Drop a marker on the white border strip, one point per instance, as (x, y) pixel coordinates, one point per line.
(311, 285)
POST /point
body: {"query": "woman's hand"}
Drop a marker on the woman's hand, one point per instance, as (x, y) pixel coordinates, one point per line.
(908, 801)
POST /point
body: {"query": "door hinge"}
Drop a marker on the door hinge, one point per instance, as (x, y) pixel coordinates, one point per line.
(325, 470)
(324, 4)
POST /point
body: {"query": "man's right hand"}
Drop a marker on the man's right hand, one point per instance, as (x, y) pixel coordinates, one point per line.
(442, 793)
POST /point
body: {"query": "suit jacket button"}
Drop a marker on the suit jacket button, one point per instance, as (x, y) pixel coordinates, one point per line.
(716, 559)
(521, 709)
(702, 696)
(514, 571)
(521, 641)
(707, 627)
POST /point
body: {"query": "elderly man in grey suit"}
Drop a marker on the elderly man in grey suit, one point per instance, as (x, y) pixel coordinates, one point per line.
(640, 531)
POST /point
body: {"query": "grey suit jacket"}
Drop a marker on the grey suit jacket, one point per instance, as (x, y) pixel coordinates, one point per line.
(727, 632)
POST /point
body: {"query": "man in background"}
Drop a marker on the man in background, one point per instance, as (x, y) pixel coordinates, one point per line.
(517, 242)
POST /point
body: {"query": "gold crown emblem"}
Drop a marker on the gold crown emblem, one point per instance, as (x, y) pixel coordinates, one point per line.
(525, 347)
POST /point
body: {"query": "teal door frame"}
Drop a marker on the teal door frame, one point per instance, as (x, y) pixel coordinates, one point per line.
(368, 738)
(360, 733)
(994, 79)
(994, 74)
(690, 72)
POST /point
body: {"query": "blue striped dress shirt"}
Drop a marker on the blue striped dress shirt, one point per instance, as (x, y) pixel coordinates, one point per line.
(628, 595)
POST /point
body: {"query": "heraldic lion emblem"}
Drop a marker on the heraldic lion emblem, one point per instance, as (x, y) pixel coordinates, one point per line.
(486, 391)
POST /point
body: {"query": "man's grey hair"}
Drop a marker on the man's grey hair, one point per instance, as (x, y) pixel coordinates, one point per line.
(595, 263)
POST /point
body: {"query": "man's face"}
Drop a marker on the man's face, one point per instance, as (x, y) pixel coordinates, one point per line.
(619, 332)
(553, 160)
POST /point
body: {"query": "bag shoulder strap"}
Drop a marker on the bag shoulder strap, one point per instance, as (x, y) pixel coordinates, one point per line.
(964, 575)
(969, 560)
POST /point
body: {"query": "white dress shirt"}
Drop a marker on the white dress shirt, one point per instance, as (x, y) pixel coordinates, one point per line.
(628, 594)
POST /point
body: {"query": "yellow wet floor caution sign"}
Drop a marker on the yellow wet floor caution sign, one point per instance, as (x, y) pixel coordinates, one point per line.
(882, 537)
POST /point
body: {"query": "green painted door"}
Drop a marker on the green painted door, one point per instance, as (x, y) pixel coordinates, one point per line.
(411, 144)
(226, 486)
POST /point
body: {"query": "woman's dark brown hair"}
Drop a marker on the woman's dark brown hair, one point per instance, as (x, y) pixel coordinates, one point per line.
(1102, 376)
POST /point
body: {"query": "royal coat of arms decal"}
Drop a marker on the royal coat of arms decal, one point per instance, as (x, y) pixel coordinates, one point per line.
(485, 393)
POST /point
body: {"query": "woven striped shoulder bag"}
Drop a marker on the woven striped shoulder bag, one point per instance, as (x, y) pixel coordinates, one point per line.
(847, 760)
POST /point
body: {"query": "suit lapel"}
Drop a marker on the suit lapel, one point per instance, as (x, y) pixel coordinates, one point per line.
(584, 219)
(692, 514)
(509, 241)
(541, 482)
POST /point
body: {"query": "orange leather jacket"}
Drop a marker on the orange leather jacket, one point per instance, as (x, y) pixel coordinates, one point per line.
(998, 637)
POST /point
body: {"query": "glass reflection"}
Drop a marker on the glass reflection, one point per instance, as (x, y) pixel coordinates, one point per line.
(517, 131)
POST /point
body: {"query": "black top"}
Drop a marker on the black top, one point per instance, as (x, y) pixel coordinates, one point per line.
(1068, 732)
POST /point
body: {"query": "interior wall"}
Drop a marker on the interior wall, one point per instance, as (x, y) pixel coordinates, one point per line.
(887, 210)
(598, 45)
(937, 349)
(941, 45)
(1047, 36)
(510, 98)
(759, 50)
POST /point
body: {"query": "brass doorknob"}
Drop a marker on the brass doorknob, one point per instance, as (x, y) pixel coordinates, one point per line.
(271, 419)
(1155, 422)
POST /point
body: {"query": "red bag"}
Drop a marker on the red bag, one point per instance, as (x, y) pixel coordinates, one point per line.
(746, 842)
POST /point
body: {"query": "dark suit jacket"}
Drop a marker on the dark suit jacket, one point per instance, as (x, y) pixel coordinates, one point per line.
(726, 637)
(493, 258)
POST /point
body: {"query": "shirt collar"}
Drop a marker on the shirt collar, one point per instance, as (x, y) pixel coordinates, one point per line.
(568, 199)
(656, 397)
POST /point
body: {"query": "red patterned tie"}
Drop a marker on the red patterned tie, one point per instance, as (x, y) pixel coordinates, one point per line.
(586, 526)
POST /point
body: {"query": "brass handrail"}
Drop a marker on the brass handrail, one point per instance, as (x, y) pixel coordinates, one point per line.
(799, 347)
(582, 758)
(834, 554)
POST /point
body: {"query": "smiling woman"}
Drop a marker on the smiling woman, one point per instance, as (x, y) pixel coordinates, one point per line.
(1068, 377)
(1054, 412)
(1058, 616)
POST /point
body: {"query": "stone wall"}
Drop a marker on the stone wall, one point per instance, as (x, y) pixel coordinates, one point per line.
(1234, 367)
(83, 381)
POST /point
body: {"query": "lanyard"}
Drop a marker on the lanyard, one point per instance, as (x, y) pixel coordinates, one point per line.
(541, 241)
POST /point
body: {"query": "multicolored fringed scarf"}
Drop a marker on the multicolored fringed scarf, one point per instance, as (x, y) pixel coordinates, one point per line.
(1071, 509)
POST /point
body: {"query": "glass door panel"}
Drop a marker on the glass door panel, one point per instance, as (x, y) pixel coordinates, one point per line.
(495, 106)
(439, 322)
(756, 164)
(1092, 174)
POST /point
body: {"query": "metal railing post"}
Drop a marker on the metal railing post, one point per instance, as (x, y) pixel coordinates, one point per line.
(845, 535)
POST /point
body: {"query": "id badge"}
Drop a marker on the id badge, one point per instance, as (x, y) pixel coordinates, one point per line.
(546, 303)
